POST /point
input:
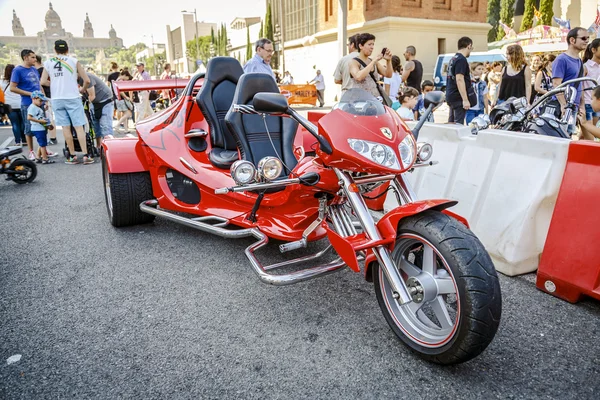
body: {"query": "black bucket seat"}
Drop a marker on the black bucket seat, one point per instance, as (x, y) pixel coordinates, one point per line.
(249, 129)
(214, 99)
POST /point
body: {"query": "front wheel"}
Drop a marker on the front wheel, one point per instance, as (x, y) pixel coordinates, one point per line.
(25, 171)
(456, 304)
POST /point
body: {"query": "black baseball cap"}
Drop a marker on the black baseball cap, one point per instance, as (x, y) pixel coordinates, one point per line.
(61, 45)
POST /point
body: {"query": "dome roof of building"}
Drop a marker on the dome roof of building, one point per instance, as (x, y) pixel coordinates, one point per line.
(51, 14)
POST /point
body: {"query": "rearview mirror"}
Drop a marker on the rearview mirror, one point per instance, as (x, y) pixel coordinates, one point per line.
(270, 103)
(436, 98)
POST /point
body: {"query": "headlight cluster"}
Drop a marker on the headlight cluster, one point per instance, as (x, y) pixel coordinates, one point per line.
(407, 151)
(244, 172)
(376, 152)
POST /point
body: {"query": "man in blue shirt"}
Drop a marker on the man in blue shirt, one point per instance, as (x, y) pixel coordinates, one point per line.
(24, 80)
(569, 66)
(261, 62)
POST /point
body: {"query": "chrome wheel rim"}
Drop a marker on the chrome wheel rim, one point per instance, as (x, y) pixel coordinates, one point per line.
(433, 321)
(107, 191)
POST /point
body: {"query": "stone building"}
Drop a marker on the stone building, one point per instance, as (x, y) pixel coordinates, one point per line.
(432, 26)
(177, 39)
(43, 42)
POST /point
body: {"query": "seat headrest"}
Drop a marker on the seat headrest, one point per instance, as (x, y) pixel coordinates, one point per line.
(223, 68)
(252, 83)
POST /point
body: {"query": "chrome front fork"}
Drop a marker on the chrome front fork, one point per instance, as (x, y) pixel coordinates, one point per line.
(382, 253)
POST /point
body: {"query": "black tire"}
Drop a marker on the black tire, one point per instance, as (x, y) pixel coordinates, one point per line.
(457, 255)
(27, 168)
(123, 194)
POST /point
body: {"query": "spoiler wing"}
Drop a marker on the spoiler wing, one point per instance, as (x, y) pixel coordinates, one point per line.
(159, 84)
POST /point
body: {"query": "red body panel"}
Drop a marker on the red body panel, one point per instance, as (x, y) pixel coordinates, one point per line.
(569, 267)
(124, 156)
(158, 84)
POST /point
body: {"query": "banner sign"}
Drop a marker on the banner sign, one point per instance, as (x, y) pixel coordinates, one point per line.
(299, 94)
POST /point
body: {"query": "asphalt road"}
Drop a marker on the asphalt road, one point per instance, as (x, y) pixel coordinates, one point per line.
(164, 311)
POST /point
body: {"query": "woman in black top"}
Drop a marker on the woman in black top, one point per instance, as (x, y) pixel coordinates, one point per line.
(516, 76)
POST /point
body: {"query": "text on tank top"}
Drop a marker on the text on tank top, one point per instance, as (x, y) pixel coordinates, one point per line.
(512, 85)
(62, 71)
(415, 76)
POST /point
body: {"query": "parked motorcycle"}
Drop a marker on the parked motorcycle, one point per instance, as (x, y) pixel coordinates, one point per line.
(543, 117)
(435, 283)
(19, 170)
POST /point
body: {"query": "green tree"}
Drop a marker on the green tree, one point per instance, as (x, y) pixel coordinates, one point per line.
(507, 12)
(546, 11)
(225, 53)
(212, 35)
(248, 45)
(268, 30)
(203, 48)
(527, 22)
(493, 16)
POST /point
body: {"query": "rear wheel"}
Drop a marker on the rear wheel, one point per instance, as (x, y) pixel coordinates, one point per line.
(25, 170)
(123, 194)
(456, 304)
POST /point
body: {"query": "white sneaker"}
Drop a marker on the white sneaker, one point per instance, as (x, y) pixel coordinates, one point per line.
(31, 156)
(51, 154)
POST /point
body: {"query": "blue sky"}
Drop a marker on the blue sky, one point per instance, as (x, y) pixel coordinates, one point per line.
(125, 15)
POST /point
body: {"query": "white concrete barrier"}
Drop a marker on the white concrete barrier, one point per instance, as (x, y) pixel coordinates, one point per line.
(506, 184)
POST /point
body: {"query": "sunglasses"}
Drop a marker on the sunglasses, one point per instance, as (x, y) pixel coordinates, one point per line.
(584, 38)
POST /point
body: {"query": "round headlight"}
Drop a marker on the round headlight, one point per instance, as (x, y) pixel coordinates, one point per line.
(269, 168)
(378, 154)
(407, 151)
(437, 79)
(243, 172)
(424, 151)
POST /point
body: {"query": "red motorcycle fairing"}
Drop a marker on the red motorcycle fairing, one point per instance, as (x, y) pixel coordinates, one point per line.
(370, 128)
(388, 224)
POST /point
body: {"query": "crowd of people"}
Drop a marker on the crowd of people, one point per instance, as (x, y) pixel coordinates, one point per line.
(475, 88)
(37, 97)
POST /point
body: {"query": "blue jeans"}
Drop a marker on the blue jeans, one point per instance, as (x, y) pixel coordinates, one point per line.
(472, 114)
(26, 123)
(590, 113)
(18, 128)
(103, 126)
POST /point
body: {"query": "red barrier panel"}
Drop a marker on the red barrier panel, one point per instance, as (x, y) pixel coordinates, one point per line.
(570, 263)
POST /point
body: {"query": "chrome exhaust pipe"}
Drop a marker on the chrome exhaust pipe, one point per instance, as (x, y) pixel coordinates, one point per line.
(150, 207)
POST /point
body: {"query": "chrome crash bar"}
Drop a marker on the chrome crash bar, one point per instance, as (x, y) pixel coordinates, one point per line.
(218, 228)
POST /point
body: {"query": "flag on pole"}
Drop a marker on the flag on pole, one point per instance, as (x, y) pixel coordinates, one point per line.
(508, 31)
(595, 26)
(537, 17)
(563, 23)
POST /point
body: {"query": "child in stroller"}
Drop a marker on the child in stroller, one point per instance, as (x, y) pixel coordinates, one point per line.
(89, 133)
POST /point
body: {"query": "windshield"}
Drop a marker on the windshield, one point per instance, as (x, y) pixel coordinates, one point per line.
(360, 102)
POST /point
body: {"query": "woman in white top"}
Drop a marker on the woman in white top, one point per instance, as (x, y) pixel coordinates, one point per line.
(392, 85)
(13, 100)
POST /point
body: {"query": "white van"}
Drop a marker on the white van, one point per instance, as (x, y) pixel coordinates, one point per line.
(441, 65)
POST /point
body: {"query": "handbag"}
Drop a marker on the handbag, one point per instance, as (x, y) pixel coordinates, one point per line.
(385, 98)
(5, 108)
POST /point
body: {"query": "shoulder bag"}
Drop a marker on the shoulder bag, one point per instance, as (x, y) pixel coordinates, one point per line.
(386, 99)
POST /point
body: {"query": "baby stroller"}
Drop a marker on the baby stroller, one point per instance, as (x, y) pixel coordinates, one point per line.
(90, 136)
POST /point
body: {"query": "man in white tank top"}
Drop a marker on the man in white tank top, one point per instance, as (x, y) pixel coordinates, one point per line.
(60, 73)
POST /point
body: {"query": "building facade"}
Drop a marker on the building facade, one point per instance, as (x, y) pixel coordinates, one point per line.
(433, 26)
(43, 42)
(177, 39)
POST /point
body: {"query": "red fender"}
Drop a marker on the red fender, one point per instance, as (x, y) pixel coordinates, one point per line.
(124, 155)
(388, 224)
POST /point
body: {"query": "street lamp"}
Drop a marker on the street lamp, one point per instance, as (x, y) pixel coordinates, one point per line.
(278, 44)
(196, 37)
